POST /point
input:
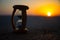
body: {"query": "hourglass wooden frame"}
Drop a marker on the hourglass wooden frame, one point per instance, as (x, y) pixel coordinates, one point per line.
(23, 9)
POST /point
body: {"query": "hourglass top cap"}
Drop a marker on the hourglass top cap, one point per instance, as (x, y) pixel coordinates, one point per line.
(20, 7)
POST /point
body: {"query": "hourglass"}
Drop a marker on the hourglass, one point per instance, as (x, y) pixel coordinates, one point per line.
(20, 24)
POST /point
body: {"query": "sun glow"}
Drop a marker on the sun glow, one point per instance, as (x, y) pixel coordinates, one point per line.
(49, 13)
(46, 10)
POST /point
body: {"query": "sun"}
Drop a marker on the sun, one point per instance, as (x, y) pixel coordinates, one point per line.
(49, 14)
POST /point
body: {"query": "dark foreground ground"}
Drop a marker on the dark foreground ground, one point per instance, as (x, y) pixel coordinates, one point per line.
(40, 28)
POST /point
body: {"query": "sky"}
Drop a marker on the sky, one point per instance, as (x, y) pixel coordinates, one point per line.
(36, 7)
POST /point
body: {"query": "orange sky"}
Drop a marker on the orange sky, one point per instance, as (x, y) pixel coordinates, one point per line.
(44, 9)
(36, 7)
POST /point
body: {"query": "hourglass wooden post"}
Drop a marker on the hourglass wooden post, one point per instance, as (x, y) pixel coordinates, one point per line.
(22, 8)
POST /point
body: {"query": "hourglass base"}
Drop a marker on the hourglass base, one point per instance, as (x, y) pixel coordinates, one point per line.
(21, 30)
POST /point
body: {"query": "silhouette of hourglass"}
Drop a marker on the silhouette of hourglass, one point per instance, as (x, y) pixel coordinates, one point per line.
(23, 18)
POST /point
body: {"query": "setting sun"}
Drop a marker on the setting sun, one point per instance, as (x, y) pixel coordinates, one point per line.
(46, 10)
(49, 14)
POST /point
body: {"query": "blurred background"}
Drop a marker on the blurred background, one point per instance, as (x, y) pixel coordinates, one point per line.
(41, 14)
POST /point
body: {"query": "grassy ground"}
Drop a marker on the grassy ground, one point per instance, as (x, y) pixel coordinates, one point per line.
(33, 34)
